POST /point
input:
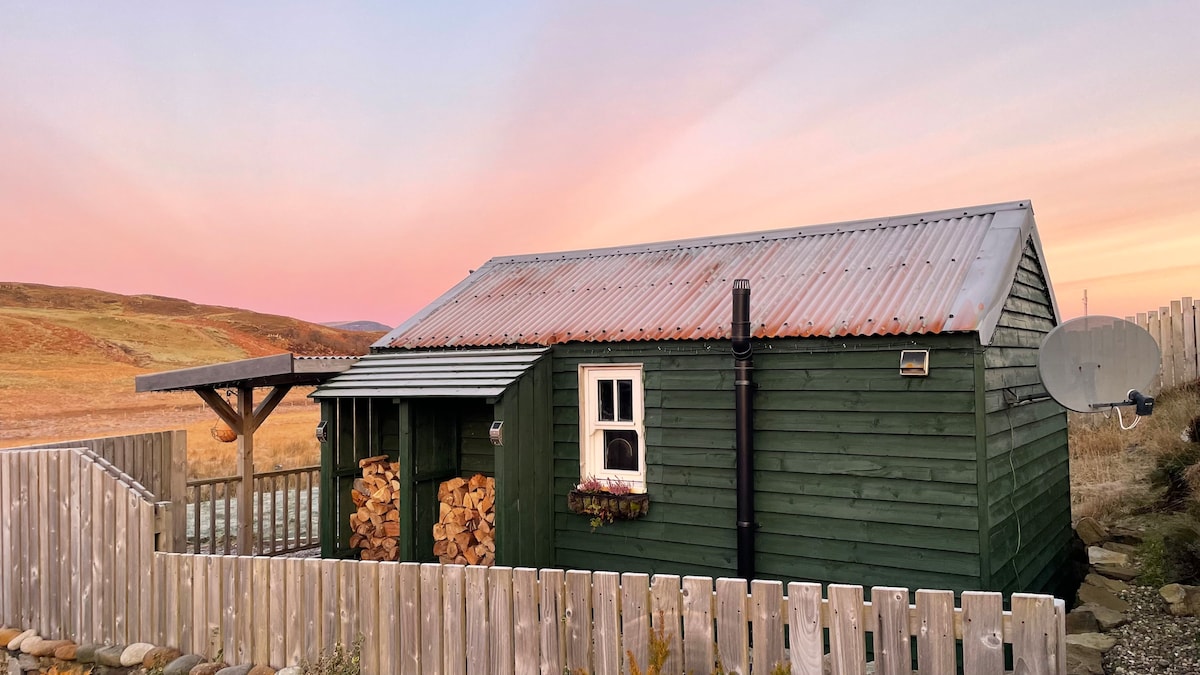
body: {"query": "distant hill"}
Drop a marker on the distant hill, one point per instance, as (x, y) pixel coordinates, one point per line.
(368, 326)
(75, 351)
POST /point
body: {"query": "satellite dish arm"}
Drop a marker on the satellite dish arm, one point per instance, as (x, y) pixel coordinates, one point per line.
(1143, 405)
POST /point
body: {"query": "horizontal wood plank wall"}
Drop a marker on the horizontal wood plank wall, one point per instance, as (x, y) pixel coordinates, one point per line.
(76, 548)
(861, 474)
(1176, 329)
(1027, 482)
(157, 461)
(505, 620)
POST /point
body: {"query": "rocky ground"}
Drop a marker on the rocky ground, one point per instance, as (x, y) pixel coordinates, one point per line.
(1121, 628)
(1153, 642)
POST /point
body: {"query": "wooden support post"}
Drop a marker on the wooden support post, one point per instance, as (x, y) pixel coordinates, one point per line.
(245, 536)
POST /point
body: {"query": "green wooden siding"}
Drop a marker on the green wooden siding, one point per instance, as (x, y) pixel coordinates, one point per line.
(861, 475)
(1025, 462)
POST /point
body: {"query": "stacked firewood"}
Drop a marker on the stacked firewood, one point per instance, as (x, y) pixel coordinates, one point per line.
(465, 533)
(376, 523)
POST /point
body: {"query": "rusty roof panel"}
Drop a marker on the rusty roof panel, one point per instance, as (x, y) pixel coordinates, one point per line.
(927, 273)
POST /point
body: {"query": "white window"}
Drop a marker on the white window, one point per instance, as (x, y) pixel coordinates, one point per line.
(612, 435)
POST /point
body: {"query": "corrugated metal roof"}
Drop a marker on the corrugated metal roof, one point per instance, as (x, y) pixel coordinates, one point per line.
(476, 373)
(945, 271)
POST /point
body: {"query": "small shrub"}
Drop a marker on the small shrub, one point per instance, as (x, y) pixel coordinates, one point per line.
(337, 661)
(1153, 555)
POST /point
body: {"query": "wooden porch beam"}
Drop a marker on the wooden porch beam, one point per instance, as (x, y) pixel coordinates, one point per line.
(221, 407)
(268, 404)
(245, 535)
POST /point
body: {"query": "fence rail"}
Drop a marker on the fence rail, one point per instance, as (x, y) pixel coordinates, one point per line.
(285, 512)
(1174, 327)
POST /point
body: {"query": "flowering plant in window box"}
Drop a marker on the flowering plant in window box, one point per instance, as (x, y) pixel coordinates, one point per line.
(606, 500)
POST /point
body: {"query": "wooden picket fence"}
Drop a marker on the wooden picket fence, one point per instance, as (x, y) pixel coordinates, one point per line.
(78, 560)
(157, 461)
(77, 546)
(1175, 329)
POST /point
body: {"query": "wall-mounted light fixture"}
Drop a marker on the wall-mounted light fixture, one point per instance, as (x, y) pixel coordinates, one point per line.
(496, 433)
(322, 431)
(914, 362)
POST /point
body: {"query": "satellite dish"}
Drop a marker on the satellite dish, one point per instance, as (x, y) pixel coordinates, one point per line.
(1094, 363)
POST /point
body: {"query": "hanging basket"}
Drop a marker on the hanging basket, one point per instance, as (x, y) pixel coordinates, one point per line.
(223, 432)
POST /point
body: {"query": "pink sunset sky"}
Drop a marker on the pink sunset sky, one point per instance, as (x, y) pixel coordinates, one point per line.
(338, 163)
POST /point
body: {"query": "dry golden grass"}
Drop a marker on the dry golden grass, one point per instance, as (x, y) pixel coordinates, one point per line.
(1111, 469)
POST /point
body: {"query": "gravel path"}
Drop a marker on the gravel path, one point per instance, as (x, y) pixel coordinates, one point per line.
(1154, 642)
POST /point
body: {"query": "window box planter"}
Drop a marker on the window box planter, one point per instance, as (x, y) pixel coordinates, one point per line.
(605, 507)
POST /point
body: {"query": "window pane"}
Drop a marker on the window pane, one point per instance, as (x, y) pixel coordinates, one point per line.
(605, 398)
(620, 450)
(625, 400)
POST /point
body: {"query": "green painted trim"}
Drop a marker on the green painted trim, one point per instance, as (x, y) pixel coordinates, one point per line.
(328, 515)
(508, 513)
(408, 512)
(981, 477)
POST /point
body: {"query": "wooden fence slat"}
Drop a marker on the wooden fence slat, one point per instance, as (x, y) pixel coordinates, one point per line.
(698, 639)
(479, 657)
(500, 618)
(180, 600)
(102, 555)
(62, 531)
(245, 603)
(432, 621)
(199, 605)
(766, 598)
(230, 598)
(983, 637)
(168, 566)
(149, 625)
(37, 575)
(847, 641)
(1178, 350)
(454, 620)
(279, 611)
(526, 654)
(552, 620)
(806, 640)
(348, 602)
(368, 614)
(216, 615)
(408, 622)
(664, 607)
(1191, 365)
(119, 546)
(396, 589)
(606, 643)
(331, 610)
(313, 610)
(893, 651)
(7, 579)
(579, 620)
(1060, 621)
(260, 587)
(733, 634)
(297, 613)
(52, 522)
(935, 631)
(1035, 636)
(635, 619)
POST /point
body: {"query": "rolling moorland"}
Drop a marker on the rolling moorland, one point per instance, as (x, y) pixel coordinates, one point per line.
(68, 357)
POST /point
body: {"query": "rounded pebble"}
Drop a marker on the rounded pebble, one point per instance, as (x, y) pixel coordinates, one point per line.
(15, 643)
(134, 653)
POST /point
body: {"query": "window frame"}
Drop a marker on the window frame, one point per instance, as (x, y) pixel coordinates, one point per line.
(591, 428)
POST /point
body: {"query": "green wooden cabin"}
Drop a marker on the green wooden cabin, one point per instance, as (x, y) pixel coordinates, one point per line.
(954, 479)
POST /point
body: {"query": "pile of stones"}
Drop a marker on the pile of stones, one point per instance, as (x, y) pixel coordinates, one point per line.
(24, 651)
(1095, 626)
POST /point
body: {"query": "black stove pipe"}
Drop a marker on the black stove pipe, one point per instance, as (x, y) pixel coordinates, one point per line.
(743, 387)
